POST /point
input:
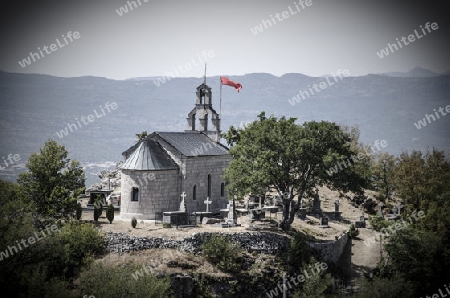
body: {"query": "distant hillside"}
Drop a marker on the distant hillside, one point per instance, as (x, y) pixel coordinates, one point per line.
(416, 72)
(35, 107)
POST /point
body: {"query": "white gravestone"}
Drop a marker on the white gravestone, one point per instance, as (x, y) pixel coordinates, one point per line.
(207, 202)
(183, 203)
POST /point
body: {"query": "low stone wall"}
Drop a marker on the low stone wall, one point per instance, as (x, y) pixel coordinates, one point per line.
(264, 242)
(331, 251)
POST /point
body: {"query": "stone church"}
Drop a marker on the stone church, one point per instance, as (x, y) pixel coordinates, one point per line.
(161, 168)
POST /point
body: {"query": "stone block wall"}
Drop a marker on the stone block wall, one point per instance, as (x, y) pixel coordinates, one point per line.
(158, 191)
(197, 171)
(194, 171)
(163, 193)
(331, 251)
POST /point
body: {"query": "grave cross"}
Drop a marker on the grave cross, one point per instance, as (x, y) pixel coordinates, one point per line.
(182, 203)
(336, 206)
(207, 202)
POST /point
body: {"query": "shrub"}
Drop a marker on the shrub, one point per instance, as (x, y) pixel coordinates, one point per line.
(395, 286)
(75, 245)
(378, 223)
(106, 280)
(222, 252)
(297, 255)
(98, 208)
(134, 222)
(110, 213)
(353, 232)
(167, 225)
(78, 211)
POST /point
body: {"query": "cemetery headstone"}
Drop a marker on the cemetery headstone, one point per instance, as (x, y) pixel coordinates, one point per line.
(336, 206)
(394, 210)
(231, 214)
(207, 202)
(324, 221)
(316, 205)
(302, 213)
(183, 203)
(380, 212)
(179, 217)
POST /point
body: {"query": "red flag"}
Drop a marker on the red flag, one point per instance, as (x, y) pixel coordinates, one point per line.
(226, 81)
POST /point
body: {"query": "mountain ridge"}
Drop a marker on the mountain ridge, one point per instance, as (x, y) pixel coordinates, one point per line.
(35, 107)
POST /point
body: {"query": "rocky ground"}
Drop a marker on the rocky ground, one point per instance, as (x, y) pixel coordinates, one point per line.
(122, 236)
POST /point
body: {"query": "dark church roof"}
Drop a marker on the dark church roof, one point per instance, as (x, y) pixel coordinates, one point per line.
(148, 155)
(193, 143)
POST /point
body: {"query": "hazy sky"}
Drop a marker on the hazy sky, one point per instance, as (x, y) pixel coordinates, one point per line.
(157, 36)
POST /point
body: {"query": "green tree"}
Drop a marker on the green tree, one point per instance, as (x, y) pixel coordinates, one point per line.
(365, 154)
(420, 253)
(418, 257)
(383, 175)
(15, 225)
(292, 159)
(52, 183)
(141, 136)
(110, 213)
(386, 288)
(420, 178)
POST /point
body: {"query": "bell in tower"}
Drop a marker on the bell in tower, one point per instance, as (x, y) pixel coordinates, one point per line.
(209, 120)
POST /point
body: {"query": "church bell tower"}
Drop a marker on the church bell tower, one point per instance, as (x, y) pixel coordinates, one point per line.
(209, 120)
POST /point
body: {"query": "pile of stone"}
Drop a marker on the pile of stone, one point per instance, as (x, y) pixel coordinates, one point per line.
(263, 242)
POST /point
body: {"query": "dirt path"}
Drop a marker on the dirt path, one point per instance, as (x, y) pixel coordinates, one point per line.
(364, 258)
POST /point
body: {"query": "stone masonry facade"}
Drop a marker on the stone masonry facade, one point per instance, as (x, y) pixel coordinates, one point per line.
(158, 192)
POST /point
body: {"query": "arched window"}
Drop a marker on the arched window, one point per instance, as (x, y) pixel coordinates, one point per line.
(209, 185)
(222, 189)
(194, 193)
(135, 194)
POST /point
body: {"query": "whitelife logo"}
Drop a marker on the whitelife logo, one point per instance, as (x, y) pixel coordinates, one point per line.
(394, 228)
(184, 68)
(318, 268)
(31, 240)
(266, 24)
(321, 85)
(338, 166)
(10, 158)
(411, 38)
(441, 294)
(124, 9)
(53, 47)
(423, 123)
(86, 120)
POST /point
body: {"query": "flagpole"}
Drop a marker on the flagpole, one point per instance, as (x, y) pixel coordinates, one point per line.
(220, 107)
(204, 77)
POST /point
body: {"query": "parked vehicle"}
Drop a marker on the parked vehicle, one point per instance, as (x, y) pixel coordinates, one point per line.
(114, 198)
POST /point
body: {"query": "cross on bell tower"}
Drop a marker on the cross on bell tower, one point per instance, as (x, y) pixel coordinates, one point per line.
(204, 111)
